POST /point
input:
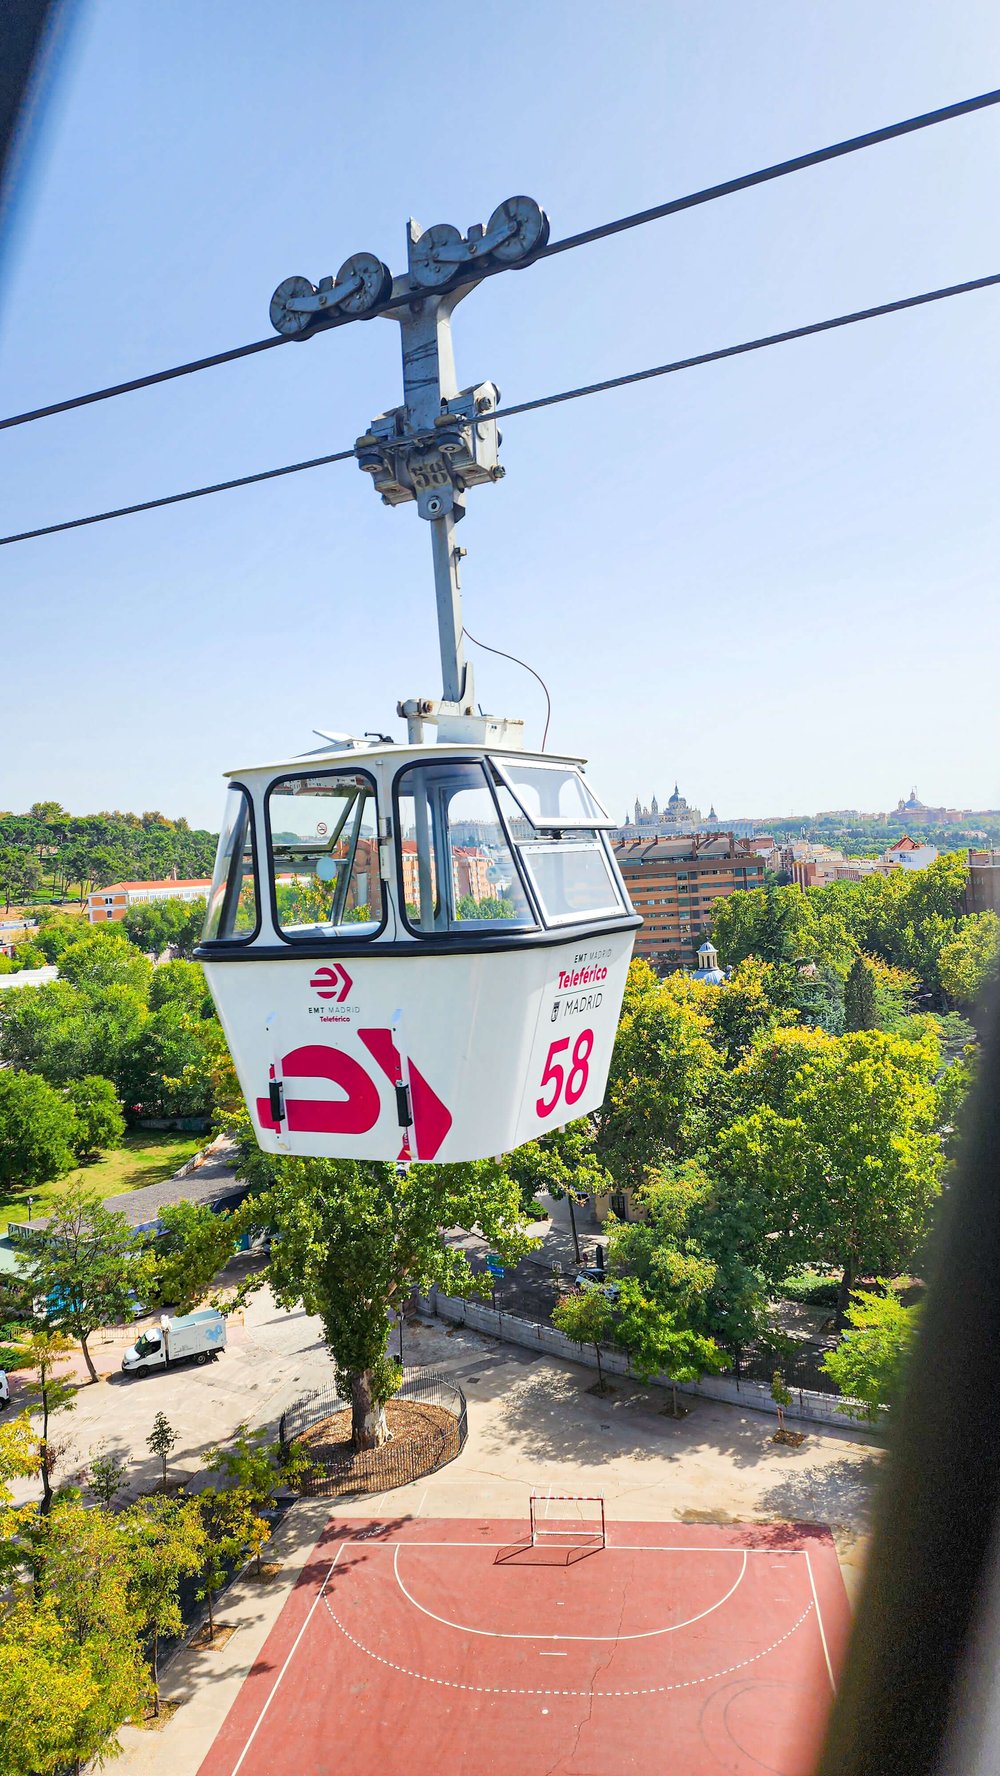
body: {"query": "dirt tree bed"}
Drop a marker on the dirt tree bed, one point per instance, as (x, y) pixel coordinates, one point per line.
(423, 1437)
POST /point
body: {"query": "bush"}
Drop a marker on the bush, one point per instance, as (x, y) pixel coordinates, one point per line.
(815, 1288)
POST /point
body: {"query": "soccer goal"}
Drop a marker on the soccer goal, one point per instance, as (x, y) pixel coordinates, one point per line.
(576, 1519)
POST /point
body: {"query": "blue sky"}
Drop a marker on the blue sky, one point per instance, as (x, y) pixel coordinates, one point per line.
(773, 579)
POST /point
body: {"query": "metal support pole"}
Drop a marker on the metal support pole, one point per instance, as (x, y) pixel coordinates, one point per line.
(429, 380)
(572, 1222)
(448, 591)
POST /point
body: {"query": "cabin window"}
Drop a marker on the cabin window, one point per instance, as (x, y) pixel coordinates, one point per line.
(324, 855)
(232, 903)
(551, 796)
(573, 879)
(456, 868)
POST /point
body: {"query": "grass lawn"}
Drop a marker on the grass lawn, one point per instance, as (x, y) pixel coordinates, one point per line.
(147, 1156)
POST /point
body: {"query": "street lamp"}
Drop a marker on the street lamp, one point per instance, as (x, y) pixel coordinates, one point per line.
(30, 1201)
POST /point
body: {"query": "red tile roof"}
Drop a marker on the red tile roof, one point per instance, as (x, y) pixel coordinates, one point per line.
(124, 887)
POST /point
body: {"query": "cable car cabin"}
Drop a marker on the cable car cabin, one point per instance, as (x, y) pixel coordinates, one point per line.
(416, 952)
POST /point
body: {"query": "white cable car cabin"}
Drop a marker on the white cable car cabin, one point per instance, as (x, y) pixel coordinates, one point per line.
(417, 952)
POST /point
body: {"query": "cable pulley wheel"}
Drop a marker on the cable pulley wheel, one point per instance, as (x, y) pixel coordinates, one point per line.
(425, 266)
(376, 284)
(532, 229)
(289, 320)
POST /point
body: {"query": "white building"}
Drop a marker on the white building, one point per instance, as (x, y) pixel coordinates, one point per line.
(114, 901)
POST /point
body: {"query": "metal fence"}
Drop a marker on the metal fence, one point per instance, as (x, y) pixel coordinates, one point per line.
(425, 1440)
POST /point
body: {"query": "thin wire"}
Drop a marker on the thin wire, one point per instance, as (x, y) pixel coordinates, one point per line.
(638, 219)
(173, 499)
(749, 345)
(140, 382)
(504, 656)
(778, 171)
(574, 394)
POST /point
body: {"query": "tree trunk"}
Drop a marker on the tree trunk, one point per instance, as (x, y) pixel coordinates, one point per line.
(43, 1456)
(600, 1371)
(88, 1359)
(369, 1425)
(673, 1391)
(156, 1674)
(211, 1612)
(844, 1295)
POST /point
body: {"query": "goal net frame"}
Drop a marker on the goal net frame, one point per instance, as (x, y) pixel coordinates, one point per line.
(593, 1532)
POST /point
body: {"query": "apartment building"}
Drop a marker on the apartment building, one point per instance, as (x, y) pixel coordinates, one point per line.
(982, 891)
(674, 884)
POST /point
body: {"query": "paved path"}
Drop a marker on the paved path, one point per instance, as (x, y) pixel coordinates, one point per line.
(533, 1423)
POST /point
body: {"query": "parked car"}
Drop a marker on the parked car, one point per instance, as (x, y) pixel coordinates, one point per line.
(592, 1278)
(4, 1391)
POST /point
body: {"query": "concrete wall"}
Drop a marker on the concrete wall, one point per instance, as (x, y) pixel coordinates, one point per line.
(812, 1407)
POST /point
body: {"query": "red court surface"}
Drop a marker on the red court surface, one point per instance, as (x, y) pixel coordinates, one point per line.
(453, 1646)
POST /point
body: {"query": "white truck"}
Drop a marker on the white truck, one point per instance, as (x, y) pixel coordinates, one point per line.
(190, 1338)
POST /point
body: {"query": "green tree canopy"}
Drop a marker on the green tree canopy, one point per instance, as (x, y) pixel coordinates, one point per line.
(89, 1267)
(355, 1238)
(869, 1361)
(100, 1124)
(37, 1131)
(969, 959)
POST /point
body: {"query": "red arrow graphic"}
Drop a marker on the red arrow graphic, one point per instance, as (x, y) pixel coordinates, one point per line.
(431, 1118)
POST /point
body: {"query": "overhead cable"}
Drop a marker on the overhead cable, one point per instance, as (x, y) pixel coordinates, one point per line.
(748, 345)
(574, 394)
(174, 499)
(836, 151)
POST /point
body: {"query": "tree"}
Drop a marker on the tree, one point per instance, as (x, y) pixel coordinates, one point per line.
(106, 1477)
(693, 1253)
(752, 1004)
(588, 1318)
(253, 1466)
(869, 1361)
(355, 1238)
(193, 1246)
(83, 1568)
(19, 876)
(100, 1124)
(161, 1441)
(165, 1539)
(49, 1392)
(182, 984)
(104, 958)
(969, 959)
(781, 1395)
(45, 1684)
(860, 1011)
(89, 1267)
(659, 1341)
(662, 1072)
(37, 1131)
(166, 1071)
(836, 1155)
(232, 1527)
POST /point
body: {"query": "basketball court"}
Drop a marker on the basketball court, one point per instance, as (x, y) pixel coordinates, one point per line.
(563, 1643)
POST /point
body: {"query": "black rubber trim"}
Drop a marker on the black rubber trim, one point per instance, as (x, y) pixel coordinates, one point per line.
(484, 765)
(446, 945)
(293, 943)
(247, 937)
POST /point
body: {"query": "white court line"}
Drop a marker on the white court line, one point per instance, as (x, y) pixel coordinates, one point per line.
(422, 1502)
(288, 1661)
(376, 1541)
(819, 1618)
(499, 1634)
